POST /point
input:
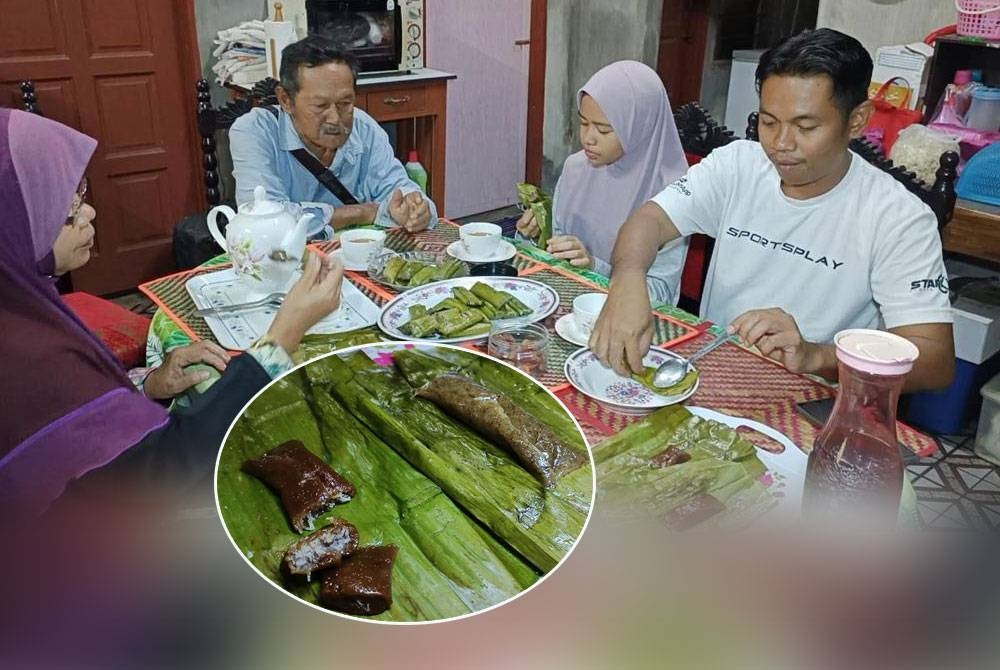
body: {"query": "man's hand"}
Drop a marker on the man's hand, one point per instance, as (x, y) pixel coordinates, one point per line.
(352, 215)
(624, 330)
(172, 378)
(570, 248)
(411, 212)
(314, 295)
(776, 335)
(527, 225)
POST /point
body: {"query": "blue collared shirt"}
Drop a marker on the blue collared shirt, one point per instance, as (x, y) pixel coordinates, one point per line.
(365, 165)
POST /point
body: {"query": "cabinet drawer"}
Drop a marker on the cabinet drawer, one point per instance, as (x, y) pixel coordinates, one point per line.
(402, 102)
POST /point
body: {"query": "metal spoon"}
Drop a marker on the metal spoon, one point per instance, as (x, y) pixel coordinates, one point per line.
(272, 299)
(672, 370)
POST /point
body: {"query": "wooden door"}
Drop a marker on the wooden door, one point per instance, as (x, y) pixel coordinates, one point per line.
(485, 43)
(118, 70)
(683, 37)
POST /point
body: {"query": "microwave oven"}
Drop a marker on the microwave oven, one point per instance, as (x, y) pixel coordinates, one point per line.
(370, 30)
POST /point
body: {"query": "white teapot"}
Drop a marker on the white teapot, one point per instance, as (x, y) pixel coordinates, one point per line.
(264, 241)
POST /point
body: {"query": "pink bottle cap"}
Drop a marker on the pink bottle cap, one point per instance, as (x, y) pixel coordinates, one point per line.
(875, 351)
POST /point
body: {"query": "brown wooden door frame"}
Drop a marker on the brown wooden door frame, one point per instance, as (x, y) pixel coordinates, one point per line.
(71, 92)
(536, 92)
(191, 67)
(683, 76)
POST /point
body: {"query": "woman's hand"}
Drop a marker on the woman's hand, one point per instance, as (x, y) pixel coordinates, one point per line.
(527, 225)
(315, 295)
(173, 377)
(570, 248)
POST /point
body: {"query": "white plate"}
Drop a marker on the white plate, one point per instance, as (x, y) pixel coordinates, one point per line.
(621, 394)
(238, 330)
(787, 469)
(504, 251)
(542, 299)
(566, 329)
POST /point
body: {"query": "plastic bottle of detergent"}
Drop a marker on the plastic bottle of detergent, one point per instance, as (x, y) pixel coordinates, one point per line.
(416, 171)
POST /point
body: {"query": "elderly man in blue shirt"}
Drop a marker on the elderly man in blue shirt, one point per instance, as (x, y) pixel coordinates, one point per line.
(317, 113)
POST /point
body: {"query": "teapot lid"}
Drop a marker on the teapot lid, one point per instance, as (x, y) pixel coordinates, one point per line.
(261, 205)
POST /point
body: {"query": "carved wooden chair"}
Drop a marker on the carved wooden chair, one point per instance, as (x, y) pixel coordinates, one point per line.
(212, 120)
(939, 196)
(122, 331)
(193, 244)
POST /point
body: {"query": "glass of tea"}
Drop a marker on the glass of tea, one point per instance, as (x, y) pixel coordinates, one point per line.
(523, 345)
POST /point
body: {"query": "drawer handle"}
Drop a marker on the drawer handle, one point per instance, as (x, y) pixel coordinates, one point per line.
(396, 101)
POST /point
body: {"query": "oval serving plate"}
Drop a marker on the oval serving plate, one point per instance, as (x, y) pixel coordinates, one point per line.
(376, 269)
(621, 394)
(543, 301)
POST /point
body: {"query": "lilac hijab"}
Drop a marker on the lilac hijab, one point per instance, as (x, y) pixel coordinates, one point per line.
(66, 406)
(593, 203)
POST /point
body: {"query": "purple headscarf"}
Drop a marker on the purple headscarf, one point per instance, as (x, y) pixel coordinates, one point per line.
(593, 203)
(66, 405)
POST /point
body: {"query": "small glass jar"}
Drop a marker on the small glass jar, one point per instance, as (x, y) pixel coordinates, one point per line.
(523, 345)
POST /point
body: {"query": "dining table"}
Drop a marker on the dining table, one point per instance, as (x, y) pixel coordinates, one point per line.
(735, 380)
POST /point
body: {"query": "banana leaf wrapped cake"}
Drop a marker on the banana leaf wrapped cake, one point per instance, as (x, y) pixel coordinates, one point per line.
(497, 418)
(679, 468)
(449, 562)
(363, 583)
(323, 549)
(308, 487)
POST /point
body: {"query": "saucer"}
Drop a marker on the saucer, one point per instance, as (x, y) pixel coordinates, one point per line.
(503, 251)
(566, 329)
(339, 253)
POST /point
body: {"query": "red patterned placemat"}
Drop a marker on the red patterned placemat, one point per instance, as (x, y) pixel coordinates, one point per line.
(739, 382)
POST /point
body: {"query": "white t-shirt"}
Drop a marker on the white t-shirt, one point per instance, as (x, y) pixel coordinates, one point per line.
(866, 254)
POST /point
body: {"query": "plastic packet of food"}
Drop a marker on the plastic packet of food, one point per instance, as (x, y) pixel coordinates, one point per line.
(919, 150)
(538, 201)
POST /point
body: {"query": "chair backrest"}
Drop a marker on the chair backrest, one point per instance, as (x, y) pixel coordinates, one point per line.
(28, 99)
(699, 132)
(939, 196)
(212, 120)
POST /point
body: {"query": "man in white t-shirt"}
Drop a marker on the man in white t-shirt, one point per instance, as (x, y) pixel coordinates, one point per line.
(810, 238)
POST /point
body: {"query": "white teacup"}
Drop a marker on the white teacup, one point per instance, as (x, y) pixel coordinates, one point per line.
(361, 246)
(480, 239)
(586, 309)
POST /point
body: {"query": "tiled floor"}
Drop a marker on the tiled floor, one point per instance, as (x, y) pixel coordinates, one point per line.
(957, 490)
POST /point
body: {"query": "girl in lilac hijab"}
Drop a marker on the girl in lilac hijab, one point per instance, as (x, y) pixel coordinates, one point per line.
(67, 408)
(631, 151)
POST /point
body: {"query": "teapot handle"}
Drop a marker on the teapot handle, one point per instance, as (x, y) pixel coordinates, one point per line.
(213, 224)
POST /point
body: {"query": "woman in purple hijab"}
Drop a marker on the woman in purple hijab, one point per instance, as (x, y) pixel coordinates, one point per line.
(631, 151)
(67, 408)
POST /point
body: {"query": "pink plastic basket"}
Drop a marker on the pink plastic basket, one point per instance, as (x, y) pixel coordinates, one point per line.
(980, 18)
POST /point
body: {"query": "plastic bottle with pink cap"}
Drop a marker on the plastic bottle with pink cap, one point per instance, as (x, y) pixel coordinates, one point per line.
(855, 472)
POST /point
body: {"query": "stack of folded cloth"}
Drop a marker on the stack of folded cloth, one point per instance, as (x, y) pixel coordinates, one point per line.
(241, 56)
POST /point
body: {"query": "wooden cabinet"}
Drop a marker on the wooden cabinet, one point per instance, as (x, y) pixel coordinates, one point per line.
(418, 103)
(974, 230)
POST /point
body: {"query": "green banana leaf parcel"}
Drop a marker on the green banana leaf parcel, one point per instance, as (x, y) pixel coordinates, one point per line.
(473, 527)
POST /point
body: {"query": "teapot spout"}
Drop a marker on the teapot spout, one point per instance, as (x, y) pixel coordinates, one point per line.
(294, 241)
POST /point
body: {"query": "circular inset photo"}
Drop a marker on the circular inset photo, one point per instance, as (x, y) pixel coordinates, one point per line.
(405, 482)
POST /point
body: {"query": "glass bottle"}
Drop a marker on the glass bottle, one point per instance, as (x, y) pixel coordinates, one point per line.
(855, 471)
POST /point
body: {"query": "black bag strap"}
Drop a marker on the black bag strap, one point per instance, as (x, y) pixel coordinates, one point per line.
(320, 171)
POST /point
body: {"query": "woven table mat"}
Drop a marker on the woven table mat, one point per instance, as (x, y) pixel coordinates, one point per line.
(738, 382)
